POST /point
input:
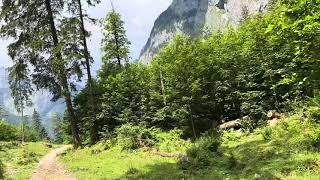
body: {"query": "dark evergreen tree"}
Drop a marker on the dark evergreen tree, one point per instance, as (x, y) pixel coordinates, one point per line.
(37, 126)
(115, 44)
(76, 8)
(55, 63)
(56, 120)
(20, 85)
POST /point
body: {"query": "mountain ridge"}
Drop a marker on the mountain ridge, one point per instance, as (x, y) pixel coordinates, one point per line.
(189, 17)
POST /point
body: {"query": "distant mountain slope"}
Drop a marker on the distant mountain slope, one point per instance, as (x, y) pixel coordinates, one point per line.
(41, 99)
(9, 117)
(190, 16)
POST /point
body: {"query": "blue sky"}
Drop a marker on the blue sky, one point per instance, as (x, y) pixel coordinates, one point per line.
(139, 17)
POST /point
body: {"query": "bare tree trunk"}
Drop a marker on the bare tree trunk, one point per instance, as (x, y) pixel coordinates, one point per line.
(193, 129)
(63, 78)
(193, 125)
(94, 128)
(22, 115)
(22, 126)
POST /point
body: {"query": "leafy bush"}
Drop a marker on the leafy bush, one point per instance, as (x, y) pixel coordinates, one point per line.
(294, 132)
(203, 150)
(267, 133)
(103, 146)
(314, 113)
(131, 137)
(27, 158)
(171, 141)
(231, 135)
(8, 132)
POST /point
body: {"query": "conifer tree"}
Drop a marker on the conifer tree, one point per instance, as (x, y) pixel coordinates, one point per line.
(37, 125)
(20, 86)
(115, 44)
(76, 8)
(55, 63)
(56, 120)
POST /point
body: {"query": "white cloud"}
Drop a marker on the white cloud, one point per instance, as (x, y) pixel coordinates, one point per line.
(139, 17)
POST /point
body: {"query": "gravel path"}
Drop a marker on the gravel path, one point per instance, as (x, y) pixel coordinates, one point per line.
(50, 169)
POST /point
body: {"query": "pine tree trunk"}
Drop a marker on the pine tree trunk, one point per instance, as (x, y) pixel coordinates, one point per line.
(193, 125)
(22, 114)
(63, 78)
(94, 128)
(22, 126)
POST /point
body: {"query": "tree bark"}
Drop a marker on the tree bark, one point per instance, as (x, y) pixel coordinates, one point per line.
(93, 131)
(63, 77)
(22, 126)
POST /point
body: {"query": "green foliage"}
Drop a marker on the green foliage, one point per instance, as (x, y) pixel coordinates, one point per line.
(171, 141)
(131, 137)
(233, 135)
(115, 44)
(203, 151)
(21, 159)
(8, 132)
(314, 113)
(38, 127)
(289, 132)
(1, 170)
(58, 132)
(269, 63)
(30, 135)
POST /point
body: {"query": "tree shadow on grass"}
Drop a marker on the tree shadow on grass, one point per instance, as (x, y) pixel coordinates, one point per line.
(266, 160)
(165, 170)
(251, 160)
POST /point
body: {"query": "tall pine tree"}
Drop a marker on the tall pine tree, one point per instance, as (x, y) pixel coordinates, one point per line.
(37, 125)
(76, 8)
(20, 86)
(55, 62)
(115, 44)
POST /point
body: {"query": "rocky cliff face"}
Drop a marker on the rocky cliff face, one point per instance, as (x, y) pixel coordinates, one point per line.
(191, 16)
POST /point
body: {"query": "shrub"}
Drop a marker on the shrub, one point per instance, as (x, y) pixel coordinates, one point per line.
(203, 150)
(131, 137)
(8, 132)
(171, 141)
(267, 133)
(232, 135)
(103, 146)
(27, 158)
(295, 133)
(314, 113)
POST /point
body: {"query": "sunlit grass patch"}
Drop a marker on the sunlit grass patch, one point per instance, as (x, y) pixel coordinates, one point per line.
(19, 160)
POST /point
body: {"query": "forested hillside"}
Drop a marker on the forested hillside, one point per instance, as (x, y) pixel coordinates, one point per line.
(238, 104)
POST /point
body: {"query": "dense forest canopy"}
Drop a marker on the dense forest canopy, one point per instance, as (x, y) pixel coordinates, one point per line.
(195, 88)
(269, 63)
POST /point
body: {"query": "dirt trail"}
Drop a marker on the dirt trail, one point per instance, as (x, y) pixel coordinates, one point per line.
(50, 169)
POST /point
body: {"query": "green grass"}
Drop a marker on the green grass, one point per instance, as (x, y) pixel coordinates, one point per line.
(256, 157)
(117, 164)
(243, 155)
(19, 160)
